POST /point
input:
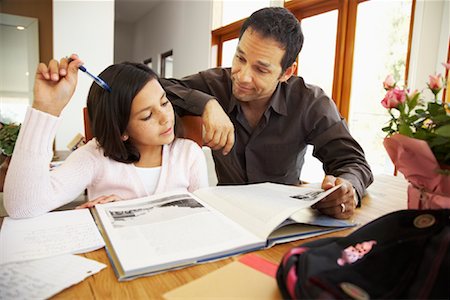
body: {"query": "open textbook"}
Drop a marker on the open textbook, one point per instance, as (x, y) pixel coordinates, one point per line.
(173, 230)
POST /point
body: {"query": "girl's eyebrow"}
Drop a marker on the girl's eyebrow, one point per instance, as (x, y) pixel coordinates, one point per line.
(144, 109)
(149, 107)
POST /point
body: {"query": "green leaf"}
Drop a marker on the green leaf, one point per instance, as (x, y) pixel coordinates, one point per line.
(421, 134)
(405, 130)
(413, 118)
(435, 108)
(420, 111)
(8, 137)
(447, 156)
(412, 103)
(443, 131)
(438, 141)
(441, 119)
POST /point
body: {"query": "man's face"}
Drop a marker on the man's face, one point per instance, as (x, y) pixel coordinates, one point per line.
(256, 68)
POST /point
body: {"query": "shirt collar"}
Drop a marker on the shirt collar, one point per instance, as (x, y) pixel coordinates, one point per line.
(278, 100)
(233, 103)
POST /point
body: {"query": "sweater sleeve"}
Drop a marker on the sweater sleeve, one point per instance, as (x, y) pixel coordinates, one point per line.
(31, 189)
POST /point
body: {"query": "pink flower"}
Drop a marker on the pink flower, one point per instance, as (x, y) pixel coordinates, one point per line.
(393, 98)
(435, 83)
(446, 65)
(389, 82)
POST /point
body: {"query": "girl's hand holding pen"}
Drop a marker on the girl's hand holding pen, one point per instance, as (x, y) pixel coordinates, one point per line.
(55, 84)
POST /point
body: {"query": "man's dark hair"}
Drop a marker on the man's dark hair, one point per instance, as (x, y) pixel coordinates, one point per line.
(109, 112)
(281, 25)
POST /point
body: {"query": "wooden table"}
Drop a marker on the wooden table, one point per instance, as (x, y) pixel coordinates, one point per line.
(386, 194)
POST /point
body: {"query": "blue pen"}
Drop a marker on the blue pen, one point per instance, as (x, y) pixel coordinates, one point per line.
(97, 79)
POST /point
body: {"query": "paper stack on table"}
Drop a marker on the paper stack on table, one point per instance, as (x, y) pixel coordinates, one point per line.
(43, 278)
(36, 258)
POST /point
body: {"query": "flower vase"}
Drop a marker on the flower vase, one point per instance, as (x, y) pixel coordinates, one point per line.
(420, 198)
(429, 187)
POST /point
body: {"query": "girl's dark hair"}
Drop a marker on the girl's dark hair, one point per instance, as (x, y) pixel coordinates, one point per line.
(281, 25)
(109, 112)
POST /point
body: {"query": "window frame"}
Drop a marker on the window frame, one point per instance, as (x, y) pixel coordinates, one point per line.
(163, 62)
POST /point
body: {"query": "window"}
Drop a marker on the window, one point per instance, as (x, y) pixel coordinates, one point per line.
(229, 11)
(379, 50)
(316, 60)
(167, 64)
(149, 63)
(229, 48)
(225, 12)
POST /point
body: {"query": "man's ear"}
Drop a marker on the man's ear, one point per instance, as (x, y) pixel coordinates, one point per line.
(289, 72)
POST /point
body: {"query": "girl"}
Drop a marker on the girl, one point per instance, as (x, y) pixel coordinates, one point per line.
(134, 154)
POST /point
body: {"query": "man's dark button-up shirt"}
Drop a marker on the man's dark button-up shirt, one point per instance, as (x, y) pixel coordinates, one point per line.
(298, 114)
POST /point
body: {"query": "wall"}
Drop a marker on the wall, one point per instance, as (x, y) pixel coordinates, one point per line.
(123, 34)
(184, 27)
(85, 28)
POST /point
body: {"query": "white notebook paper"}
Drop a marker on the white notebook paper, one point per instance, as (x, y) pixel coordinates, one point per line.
(55, 233)
(43, 278)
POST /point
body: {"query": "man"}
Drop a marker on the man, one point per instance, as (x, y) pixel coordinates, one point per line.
(275, 115)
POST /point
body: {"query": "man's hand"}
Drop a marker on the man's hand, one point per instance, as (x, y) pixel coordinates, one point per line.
(55, 84)
(99, 200)
(341, 203)
(219, 131)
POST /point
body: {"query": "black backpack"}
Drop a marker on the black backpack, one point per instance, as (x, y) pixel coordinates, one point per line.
(404, 254)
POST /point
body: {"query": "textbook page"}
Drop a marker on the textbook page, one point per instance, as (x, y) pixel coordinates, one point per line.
(168, 230)
(306, 223)
(54, 233)
(43, 278)
(261, 207)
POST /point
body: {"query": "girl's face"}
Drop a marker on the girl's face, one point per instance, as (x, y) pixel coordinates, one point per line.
(152, 119)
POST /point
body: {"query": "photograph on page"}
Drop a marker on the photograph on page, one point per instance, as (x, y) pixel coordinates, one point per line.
(156, 211)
